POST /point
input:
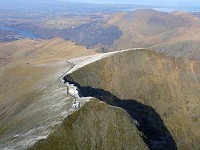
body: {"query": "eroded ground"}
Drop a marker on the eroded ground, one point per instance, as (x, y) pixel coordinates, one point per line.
(32, 98)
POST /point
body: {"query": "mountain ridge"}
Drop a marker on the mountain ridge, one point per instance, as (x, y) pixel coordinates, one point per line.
(170, 85)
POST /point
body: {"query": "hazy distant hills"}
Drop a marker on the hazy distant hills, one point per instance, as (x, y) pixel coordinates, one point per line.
(175, 33)
(6, 35)
(172, 33)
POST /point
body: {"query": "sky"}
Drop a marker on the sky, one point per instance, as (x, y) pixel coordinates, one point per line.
(172, 3)
(145, 2)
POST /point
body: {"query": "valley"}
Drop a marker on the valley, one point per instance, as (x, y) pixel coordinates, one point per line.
(169, 32)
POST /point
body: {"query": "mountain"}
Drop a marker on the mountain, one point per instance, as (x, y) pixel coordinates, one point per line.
(134, 98)
(141, 98)
(160, 92)
(32, 100)
(96, 125)
(41, 51)
(174, 33)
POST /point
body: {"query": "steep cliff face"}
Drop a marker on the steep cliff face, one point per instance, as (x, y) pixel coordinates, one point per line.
(95, 126)
(169, 85)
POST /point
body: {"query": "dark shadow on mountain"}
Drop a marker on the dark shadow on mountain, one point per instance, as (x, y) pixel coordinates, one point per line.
(155, 133)
(92, 34)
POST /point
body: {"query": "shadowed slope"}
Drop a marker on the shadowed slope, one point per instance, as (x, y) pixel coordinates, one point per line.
(167, 84)
(155, 134)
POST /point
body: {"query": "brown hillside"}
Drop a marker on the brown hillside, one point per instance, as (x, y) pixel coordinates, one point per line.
(94, 126)
(30, 93)
(173, 33)
(167, 84)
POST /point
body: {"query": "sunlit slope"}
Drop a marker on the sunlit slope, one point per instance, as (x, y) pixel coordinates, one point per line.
(175, 33)
(169, 85)
(32, 100)
(31, 63)
(41, 51)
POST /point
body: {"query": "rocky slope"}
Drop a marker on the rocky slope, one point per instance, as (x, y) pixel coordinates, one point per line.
(160, 92)
(32, 100)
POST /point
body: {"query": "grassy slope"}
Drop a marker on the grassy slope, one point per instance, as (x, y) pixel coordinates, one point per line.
(176, 34)
(168, 84)
(95, 126)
